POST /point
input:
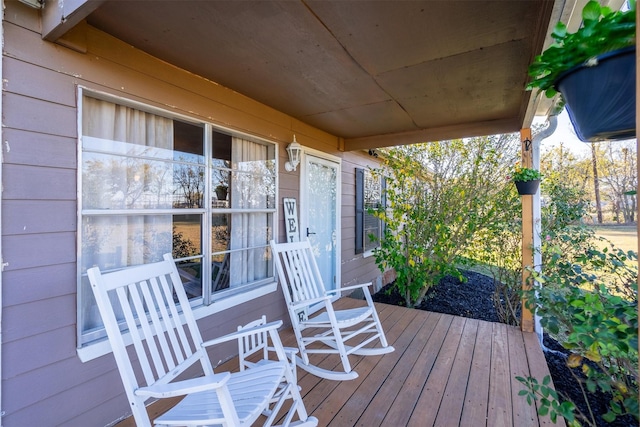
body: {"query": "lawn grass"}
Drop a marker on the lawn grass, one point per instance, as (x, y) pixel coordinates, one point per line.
(624, 237)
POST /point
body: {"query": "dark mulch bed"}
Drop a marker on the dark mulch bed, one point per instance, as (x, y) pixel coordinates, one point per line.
(472, 299)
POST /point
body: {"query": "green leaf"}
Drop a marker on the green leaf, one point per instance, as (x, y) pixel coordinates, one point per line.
(559, 31)
(550, 93)
(544, 410)
(591, 11)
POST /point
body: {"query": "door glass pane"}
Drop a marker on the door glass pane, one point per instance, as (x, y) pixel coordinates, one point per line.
(322, 186)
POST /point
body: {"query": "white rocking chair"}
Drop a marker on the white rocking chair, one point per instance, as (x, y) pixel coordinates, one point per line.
(167, 342)
(254, 350)
(302, 286)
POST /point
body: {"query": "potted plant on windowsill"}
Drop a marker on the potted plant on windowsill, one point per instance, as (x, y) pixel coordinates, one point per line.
(527, 180)
(594, 69)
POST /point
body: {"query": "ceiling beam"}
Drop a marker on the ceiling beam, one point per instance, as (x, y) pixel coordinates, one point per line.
(490, 127)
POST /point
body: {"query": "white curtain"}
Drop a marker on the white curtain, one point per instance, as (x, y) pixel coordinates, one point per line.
(250, 190)
(119, 173)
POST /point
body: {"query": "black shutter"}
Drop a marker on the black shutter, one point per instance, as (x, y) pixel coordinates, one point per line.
(359, 210)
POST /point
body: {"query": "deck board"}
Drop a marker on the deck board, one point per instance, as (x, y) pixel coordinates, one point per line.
(474, 411)
(523, 414)
(450, 410)
(446, 371)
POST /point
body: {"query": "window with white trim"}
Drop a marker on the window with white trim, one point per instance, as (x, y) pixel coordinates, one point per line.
(155, 184)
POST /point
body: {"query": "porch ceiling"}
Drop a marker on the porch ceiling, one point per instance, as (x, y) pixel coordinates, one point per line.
(376, 73)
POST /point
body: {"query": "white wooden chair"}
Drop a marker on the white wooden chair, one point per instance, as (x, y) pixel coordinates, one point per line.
(158, 320)
(304, 292)
(255, 350)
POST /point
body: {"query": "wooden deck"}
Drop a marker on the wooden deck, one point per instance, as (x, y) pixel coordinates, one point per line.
(446, 371)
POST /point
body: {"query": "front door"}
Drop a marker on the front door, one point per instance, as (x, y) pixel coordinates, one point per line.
(320, 215)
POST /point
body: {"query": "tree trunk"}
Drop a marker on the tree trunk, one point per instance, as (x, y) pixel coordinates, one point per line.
(596, 185)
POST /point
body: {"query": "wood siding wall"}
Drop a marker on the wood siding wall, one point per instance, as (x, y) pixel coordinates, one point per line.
(43, 381)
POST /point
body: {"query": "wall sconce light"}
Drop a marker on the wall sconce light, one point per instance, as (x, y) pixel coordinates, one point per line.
(295, 150)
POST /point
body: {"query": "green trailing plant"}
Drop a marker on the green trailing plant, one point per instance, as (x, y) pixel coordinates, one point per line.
(587, 299)
(602, 31)
(523, 174)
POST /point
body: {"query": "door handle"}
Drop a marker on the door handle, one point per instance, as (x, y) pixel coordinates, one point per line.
(309, 232)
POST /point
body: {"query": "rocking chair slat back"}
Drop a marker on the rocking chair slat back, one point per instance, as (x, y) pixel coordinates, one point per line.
(163, 337)
(303, 276)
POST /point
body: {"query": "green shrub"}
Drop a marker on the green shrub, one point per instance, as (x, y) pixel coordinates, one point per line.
(587, 299)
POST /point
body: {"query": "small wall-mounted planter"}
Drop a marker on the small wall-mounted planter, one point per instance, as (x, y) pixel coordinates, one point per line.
(527, 187)
(601, 99)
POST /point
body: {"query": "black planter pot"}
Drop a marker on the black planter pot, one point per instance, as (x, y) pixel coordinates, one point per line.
(527, 187)
(221, 193)
(601, 99)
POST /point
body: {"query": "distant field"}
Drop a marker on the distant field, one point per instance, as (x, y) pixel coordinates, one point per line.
(623, 236)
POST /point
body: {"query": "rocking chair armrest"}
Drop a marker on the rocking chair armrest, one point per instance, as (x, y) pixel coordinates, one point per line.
(352, 287)
(243, 332)
(181, 388)
(288, 350)
(309, 302)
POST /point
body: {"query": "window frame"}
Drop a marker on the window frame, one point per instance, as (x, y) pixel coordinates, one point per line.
(203, 306)
(361, 213)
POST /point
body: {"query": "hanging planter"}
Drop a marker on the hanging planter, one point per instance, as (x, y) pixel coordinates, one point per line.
(527, 187)
(527, 180)
(601, 98)
(594, 70)
(221, 192)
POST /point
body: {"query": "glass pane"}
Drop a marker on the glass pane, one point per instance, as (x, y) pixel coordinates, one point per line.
(112, 122)
(241, 268)
(220, 180)
(188, 142)
(191, 274)
(322, 181)
(221, 150)
(116, 182)
(220, 237)
(187, 236)
(114, 242)
(371, 232)
(188, 183)
(372, 200)
(249, 191)
(246, 236)
(372, 190)
(187, 242)
(101, 145)
(250, 230)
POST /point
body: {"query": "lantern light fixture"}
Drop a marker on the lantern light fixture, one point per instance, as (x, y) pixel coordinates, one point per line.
(295, 151)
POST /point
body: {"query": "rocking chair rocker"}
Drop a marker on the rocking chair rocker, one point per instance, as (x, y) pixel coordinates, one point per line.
(167, 342)
(302, 286)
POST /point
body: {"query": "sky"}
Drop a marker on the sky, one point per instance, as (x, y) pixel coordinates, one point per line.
(564, 133)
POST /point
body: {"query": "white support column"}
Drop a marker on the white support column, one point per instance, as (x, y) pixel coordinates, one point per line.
(536, 208)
